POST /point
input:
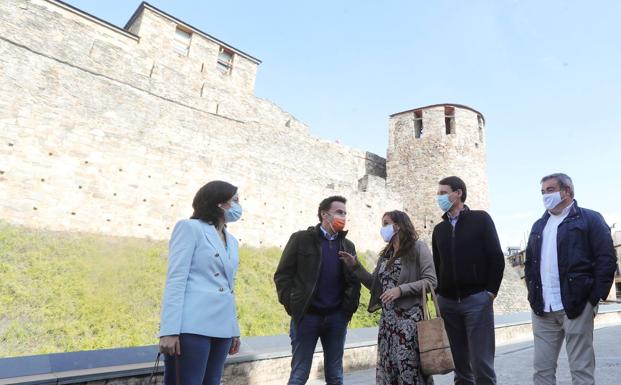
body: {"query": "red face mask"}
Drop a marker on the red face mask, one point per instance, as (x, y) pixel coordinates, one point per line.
(338, 224)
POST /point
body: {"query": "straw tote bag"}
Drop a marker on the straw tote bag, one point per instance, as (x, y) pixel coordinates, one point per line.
(433, 343)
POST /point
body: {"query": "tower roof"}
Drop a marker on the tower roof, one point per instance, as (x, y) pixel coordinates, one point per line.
(441, 105)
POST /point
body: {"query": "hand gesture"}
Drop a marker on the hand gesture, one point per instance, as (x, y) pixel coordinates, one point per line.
(348, 259)
(390, 295)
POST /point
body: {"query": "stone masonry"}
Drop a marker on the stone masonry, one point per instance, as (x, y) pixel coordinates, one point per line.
(112, 130)
(429, 143)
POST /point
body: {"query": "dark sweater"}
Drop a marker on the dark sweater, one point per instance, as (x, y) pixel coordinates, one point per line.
(329, 292)
(297, 274)
(468, 257)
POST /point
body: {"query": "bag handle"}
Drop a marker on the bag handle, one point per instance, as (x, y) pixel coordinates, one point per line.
(177, 371)
(152, 380)
(434, 299)
(154, 371)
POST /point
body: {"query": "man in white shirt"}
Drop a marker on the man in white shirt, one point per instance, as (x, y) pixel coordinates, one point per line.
(570, 265)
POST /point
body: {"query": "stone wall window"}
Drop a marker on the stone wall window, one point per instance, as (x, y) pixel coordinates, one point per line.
(449, 119)
(418, 124)
(181, 43)
(480, 119)
(225, 60)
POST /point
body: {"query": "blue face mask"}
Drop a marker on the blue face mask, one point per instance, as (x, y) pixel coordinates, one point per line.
(444, 202)
(387, 232)
(233, 213)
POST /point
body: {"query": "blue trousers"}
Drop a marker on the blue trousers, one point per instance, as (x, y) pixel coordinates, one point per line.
(201, 361)
(470, 328)
(331, 330)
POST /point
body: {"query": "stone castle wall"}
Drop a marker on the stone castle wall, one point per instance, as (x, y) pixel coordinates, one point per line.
(104, 131)
(112, 131)
(415, 165)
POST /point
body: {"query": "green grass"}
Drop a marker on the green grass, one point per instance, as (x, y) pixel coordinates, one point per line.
(67, 292)
(63, 292)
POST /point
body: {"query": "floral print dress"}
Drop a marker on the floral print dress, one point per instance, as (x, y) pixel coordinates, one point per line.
(398, 361)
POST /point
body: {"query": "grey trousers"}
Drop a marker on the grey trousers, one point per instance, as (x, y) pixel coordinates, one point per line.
(470, 329)
(549, 330)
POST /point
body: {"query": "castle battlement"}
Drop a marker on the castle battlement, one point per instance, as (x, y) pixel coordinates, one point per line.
(112, 130)
(154, 52)
(432, 142)
(105, 130)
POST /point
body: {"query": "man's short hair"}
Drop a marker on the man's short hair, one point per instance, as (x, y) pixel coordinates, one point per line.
(563, 180)
(456, 184)
(327, 203)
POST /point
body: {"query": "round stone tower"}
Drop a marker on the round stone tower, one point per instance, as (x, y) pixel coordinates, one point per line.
(429, 143)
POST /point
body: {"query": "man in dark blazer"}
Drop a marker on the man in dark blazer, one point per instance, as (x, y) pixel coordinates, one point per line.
(317, 292)
(570, 265)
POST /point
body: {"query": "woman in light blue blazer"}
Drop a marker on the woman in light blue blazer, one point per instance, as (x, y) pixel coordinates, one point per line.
(198, 325)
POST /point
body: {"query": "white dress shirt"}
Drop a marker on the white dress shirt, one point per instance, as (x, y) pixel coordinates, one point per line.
(550, 281)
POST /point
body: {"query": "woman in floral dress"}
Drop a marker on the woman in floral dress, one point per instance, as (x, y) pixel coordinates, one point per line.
(404, 267)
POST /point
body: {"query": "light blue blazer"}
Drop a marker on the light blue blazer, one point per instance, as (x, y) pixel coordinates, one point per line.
(198, 296)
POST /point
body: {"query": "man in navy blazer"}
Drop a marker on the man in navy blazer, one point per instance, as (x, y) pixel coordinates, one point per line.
(570, 265)
(317, 292)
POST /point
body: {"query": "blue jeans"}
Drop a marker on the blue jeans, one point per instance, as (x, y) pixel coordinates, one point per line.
(469, 325)
(331, 330)
(201, 361)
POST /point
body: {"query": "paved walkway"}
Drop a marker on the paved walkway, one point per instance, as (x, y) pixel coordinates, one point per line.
(514, 363)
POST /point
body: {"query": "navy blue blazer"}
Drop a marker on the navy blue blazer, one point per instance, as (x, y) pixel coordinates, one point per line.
(587, 260)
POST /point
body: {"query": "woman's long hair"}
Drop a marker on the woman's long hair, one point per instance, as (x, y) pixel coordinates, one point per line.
(407, 238)
(208, 198)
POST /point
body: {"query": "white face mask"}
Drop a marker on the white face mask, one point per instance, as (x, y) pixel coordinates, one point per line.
(551, 200)
(387, 232)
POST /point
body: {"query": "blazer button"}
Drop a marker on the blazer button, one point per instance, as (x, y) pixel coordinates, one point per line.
(221, 289)
(217, 255)
(217, 274)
